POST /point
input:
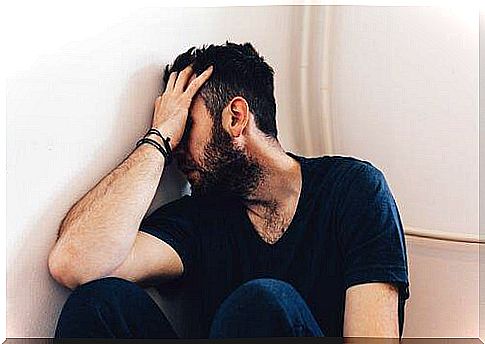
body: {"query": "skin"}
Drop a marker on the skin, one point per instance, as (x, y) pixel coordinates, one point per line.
(371, 311)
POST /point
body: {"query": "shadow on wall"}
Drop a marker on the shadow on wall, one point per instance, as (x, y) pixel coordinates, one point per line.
(39, 299)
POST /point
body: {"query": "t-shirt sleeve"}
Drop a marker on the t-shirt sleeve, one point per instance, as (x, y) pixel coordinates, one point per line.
(176, 225)
(370, 231)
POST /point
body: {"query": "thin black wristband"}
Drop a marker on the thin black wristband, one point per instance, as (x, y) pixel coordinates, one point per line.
(166, 144)
(153, 143)
(154, 131)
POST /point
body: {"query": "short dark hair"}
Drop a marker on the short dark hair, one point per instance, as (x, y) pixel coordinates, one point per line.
(238, 71)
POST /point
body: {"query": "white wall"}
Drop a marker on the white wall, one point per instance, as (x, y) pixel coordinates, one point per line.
(405, 95)
(402, 94)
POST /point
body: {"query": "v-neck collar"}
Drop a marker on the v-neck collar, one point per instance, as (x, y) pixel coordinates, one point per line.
(289, 232)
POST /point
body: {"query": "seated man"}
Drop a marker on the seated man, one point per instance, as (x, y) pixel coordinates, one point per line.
(270, 243)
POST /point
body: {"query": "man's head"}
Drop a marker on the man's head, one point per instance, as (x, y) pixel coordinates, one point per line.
(236, 99)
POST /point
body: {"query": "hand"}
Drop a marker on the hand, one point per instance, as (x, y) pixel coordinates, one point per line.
(172, 107)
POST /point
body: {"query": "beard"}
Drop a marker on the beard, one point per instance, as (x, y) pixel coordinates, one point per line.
(226, 170)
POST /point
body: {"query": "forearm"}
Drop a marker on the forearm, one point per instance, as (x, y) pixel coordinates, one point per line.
(98, 232)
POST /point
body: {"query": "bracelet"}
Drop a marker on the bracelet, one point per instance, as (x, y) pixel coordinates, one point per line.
(164, 140)
(154, 131)
(153, 143)
(167, 152)
(166, 143)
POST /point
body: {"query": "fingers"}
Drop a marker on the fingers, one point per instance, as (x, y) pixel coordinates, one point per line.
(158, 101)
(178, 82)
(182, 78)
(171, 81)
(198, 82)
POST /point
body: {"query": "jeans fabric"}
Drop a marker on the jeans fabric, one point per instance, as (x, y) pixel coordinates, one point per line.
(112, 307)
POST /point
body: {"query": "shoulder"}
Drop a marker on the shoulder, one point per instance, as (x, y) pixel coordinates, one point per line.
(199, 206)
(180, 204)
(178, 208)
(359, 183)
(343, 168)
(357, 170)
(344, 178)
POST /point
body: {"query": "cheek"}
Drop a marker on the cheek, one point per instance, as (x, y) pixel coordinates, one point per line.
(196, 145)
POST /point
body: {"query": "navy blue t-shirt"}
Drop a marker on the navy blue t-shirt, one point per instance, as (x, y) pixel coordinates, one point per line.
(346, 231)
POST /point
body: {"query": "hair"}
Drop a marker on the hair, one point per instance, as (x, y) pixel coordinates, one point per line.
(238, 71)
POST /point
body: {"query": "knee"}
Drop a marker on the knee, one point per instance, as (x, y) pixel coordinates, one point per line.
(259, 307)
(102, 291)
(262, 292)
(265, 288)
(266, 284)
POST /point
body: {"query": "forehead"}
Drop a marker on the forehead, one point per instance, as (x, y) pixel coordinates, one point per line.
(198, 108)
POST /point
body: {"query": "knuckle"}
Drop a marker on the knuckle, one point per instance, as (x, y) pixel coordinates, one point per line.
(185, 72)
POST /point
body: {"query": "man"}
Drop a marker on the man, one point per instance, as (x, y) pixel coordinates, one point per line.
(270, 243)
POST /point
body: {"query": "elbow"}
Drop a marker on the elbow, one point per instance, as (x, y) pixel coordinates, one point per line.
(67, 272)
(61, 270)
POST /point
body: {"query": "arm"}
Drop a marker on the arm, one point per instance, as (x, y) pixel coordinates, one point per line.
(99, 235)
(150, 261)
(371, 311)
(372, 244)
(99, 231)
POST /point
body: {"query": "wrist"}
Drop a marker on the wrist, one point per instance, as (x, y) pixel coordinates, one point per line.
(160, 141)
(155, 137)
(149, 148)
(164, 130)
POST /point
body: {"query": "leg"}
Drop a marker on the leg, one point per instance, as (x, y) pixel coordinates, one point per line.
(112, 307)
(264, 308)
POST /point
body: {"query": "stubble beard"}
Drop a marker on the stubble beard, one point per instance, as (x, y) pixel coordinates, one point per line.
(226, 170)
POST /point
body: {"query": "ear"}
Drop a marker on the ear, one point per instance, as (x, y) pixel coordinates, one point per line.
(235, 116)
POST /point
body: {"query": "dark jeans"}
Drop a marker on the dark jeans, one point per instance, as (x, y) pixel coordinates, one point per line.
(112, 307)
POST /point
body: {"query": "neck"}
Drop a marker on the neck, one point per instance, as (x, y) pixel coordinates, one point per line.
(278, 191)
